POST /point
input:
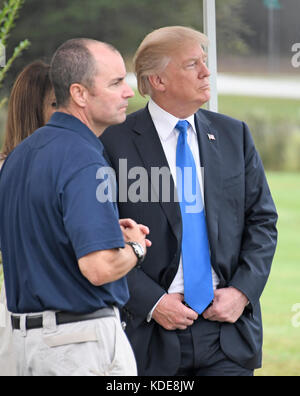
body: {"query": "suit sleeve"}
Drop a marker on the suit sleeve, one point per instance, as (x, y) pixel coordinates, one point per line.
(260, 233)
(145, 293)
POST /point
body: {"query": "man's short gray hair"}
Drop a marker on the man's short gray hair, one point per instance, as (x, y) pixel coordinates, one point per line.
(72, 63)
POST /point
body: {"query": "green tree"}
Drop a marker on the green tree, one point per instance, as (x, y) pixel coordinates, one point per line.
(233, 30)
(123, 23)
(8, 16)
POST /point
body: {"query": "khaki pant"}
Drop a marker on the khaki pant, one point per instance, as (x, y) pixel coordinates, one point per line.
(96, 347)
(7, 358)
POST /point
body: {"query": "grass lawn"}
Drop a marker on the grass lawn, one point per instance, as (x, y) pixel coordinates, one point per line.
(243, 107)
(281, 338)
(268, 109)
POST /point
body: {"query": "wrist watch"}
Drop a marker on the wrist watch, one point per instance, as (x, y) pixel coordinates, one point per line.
(138, 250)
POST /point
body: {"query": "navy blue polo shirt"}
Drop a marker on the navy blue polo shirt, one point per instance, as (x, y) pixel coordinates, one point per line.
(50, 217)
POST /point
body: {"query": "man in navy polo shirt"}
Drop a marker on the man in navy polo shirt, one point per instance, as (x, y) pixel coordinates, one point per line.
(64, 253)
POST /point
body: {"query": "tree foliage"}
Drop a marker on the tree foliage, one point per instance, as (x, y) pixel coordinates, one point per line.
(8, 16)
(286, 25)
(242, 25)
(123, 23)
(233, 28)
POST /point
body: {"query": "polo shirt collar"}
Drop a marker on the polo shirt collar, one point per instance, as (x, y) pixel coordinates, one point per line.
(67, 121)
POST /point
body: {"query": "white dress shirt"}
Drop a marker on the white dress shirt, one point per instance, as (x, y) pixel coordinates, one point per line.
(165, 124)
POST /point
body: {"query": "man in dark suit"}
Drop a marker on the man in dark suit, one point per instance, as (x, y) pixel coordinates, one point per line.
(194, 306)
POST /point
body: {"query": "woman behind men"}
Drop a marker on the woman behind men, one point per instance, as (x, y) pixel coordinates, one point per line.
(31, 104)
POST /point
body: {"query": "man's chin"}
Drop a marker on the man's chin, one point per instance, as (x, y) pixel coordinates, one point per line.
(120, 119)
(204, 99)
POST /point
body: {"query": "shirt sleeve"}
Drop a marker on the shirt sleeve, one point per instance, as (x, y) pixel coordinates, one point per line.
(91, 218)
(149, 317)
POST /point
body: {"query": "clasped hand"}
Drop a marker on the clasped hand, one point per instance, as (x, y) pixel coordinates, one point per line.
(228, 306)
(133, 232)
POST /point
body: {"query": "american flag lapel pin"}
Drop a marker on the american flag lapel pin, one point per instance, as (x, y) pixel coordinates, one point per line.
(211, 137)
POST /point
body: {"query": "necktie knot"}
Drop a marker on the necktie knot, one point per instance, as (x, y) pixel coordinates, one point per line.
(182, 126)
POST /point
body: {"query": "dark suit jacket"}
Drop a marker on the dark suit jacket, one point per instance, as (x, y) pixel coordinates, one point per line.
(241, 221)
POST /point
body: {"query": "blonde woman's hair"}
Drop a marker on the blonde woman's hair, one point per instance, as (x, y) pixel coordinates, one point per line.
(155, 51)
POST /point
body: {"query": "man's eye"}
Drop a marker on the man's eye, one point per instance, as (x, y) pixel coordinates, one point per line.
(117, 83)
(191, 65)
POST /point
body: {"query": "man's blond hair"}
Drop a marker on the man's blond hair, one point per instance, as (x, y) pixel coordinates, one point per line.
(155, 51)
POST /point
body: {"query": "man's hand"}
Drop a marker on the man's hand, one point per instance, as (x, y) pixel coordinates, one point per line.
(133, 232)
(172, 314)
(228, 305)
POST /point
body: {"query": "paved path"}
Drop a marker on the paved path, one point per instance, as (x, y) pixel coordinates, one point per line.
(281, 87)
(259, 86)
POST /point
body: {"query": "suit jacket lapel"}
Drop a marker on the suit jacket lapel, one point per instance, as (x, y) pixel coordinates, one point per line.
(148, 145)
(152, 154)
(211, 162)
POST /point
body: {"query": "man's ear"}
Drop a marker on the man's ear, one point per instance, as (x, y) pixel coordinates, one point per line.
(157, 82)
(78, 94)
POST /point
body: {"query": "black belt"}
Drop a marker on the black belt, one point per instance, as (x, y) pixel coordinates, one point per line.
(36, 322)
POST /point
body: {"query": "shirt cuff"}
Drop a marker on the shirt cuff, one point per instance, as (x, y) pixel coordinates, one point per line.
(149, 317)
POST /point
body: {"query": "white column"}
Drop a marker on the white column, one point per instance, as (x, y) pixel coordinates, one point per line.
(209, 16)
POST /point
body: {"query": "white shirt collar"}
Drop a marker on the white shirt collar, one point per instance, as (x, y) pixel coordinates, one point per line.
(165, 122)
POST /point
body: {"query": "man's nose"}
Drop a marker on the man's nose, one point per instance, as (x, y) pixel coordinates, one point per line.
(128, 92)
(204, 71)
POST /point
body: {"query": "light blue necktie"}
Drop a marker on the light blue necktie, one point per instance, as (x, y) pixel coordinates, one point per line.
(198, 285)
